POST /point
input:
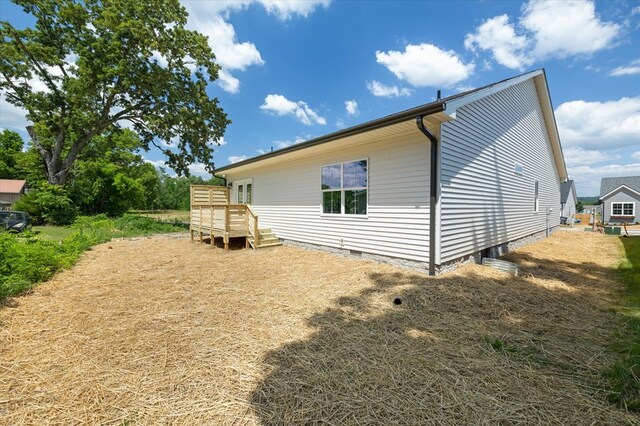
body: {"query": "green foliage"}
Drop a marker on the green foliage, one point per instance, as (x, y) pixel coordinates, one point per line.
(104, 63)
(111, 178)
(624, 376)
(174, 191)
(589, 200)
(10, 150)
(579, 207)
(31, 168)
(49, 204)
(28, 259)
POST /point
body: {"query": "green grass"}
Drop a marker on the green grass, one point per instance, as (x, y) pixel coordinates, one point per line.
(31, 257)
(55, 233)
(624, 376)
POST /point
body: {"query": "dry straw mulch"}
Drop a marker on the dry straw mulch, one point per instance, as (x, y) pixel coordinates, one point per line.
(165, 331)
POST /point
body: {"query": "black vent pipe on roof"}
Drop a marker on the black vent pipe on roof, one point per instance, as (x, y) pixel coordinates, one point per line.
(433, 193)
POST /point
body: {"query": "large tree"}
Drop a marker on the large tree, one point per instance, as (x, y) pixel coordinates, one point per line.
(88, 66)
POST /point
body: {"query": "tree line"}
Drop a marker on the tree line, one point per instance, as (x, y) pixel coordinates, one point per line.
(108, 177)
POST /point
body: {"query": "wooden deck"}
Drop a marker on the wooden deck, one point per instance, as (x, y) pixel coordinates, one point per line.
(212, 216)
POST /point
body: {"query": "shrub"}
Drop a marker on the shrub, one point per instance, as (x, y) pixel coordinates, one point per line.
(49, 204)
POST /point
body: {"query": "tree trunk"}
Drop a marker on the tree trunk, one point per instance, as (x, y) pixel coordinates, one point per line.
(56, 171)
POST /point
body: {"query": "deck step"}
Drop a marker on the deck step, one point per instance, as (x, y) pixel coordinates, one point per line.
(267, 239)
(274, 244)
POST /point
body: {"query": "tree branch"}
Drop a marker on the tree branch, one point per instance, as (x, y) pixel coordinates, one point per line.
(35, 62)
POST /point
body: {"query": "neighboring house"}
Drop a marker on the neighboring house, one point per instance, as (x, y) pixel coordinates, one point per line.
(589, 208)
(449, 180)
(620, 199)
(568, 199)
(10, 191)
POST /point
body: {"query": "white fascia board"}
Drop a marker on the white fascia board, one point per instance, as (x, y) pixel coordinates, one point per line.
(618, 189)
(454, 104)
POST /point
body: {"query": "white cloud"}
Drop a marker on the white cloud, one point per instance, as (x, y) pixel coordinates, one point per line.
(11, 116)
(286, 9)
(546, 29)
(635, 10)
(228, 82)
(498, 35)
(636, 155)
(425, 65)
(567, 28)
(237, 158)
(577, 156)
(157, 163)
(631, 69)
(210, 19)
(600, 124)
(279, 105)
(230, 54)
(351, 107)
(284, 144)
(378, 89)
(588, 178)
(198, 169)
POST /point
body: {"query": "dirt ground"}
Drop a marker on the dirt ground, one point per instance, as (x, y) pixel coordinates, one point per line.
(165, 331)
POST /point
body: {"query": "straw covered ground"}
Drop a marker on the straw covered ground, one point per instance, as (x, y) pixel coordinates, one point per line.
(165, 331)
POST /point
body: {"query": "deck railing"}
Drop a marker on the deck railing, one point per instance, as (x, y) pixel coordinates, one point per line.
(225, 220)
(251, 221)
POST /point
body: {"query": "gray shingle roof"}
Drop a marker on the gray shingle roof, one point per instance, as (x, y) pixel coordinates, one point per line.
(565, 188)
(609, 184)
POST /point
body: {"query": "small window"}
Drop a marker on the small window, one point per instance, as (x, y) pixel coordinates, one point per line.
(536, 199)
(518, 168)
(344, 188)
(622, 209)
(240, 194)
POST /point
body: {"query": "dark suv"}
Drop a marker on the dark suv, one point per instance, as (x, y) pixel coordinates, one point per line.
(14, 221)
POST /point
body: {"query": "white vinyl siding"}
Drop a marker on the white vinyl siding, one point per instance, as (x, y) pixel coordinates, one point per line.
(288, 198)
(483, 202)
(624, 196)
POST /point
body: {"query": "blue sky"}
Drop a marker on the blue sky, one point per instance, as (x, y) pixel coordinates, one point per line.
(295, 70)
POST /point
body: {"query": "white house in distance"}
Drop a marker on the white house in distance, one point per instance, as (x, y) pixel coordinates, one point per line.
(620, 199)
(568, 199)
(471, 174)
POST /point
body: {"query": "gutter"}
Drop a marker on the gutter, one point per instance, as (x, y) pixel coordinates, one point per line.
(433, 192)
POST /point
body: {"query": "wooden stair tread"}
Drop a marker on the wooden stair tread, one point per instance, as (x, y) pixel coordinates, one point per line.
(274, 244)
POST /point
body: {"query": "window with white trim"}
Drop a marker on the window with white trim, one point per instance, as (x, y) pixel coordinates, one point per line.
(623, 209)
(344, 188)
(536, 199)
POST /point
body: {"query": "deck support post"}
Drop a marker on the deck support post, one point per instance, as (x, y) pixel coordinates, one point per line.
(226, 241)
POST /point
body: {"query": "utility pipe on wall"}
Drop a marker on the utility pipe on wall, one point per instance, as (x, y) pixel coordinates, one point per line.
(433, 193)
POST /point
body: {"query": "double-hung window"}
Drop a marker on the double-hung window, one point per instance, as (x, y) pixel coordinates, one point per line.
(344, 188)
(622, 209)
